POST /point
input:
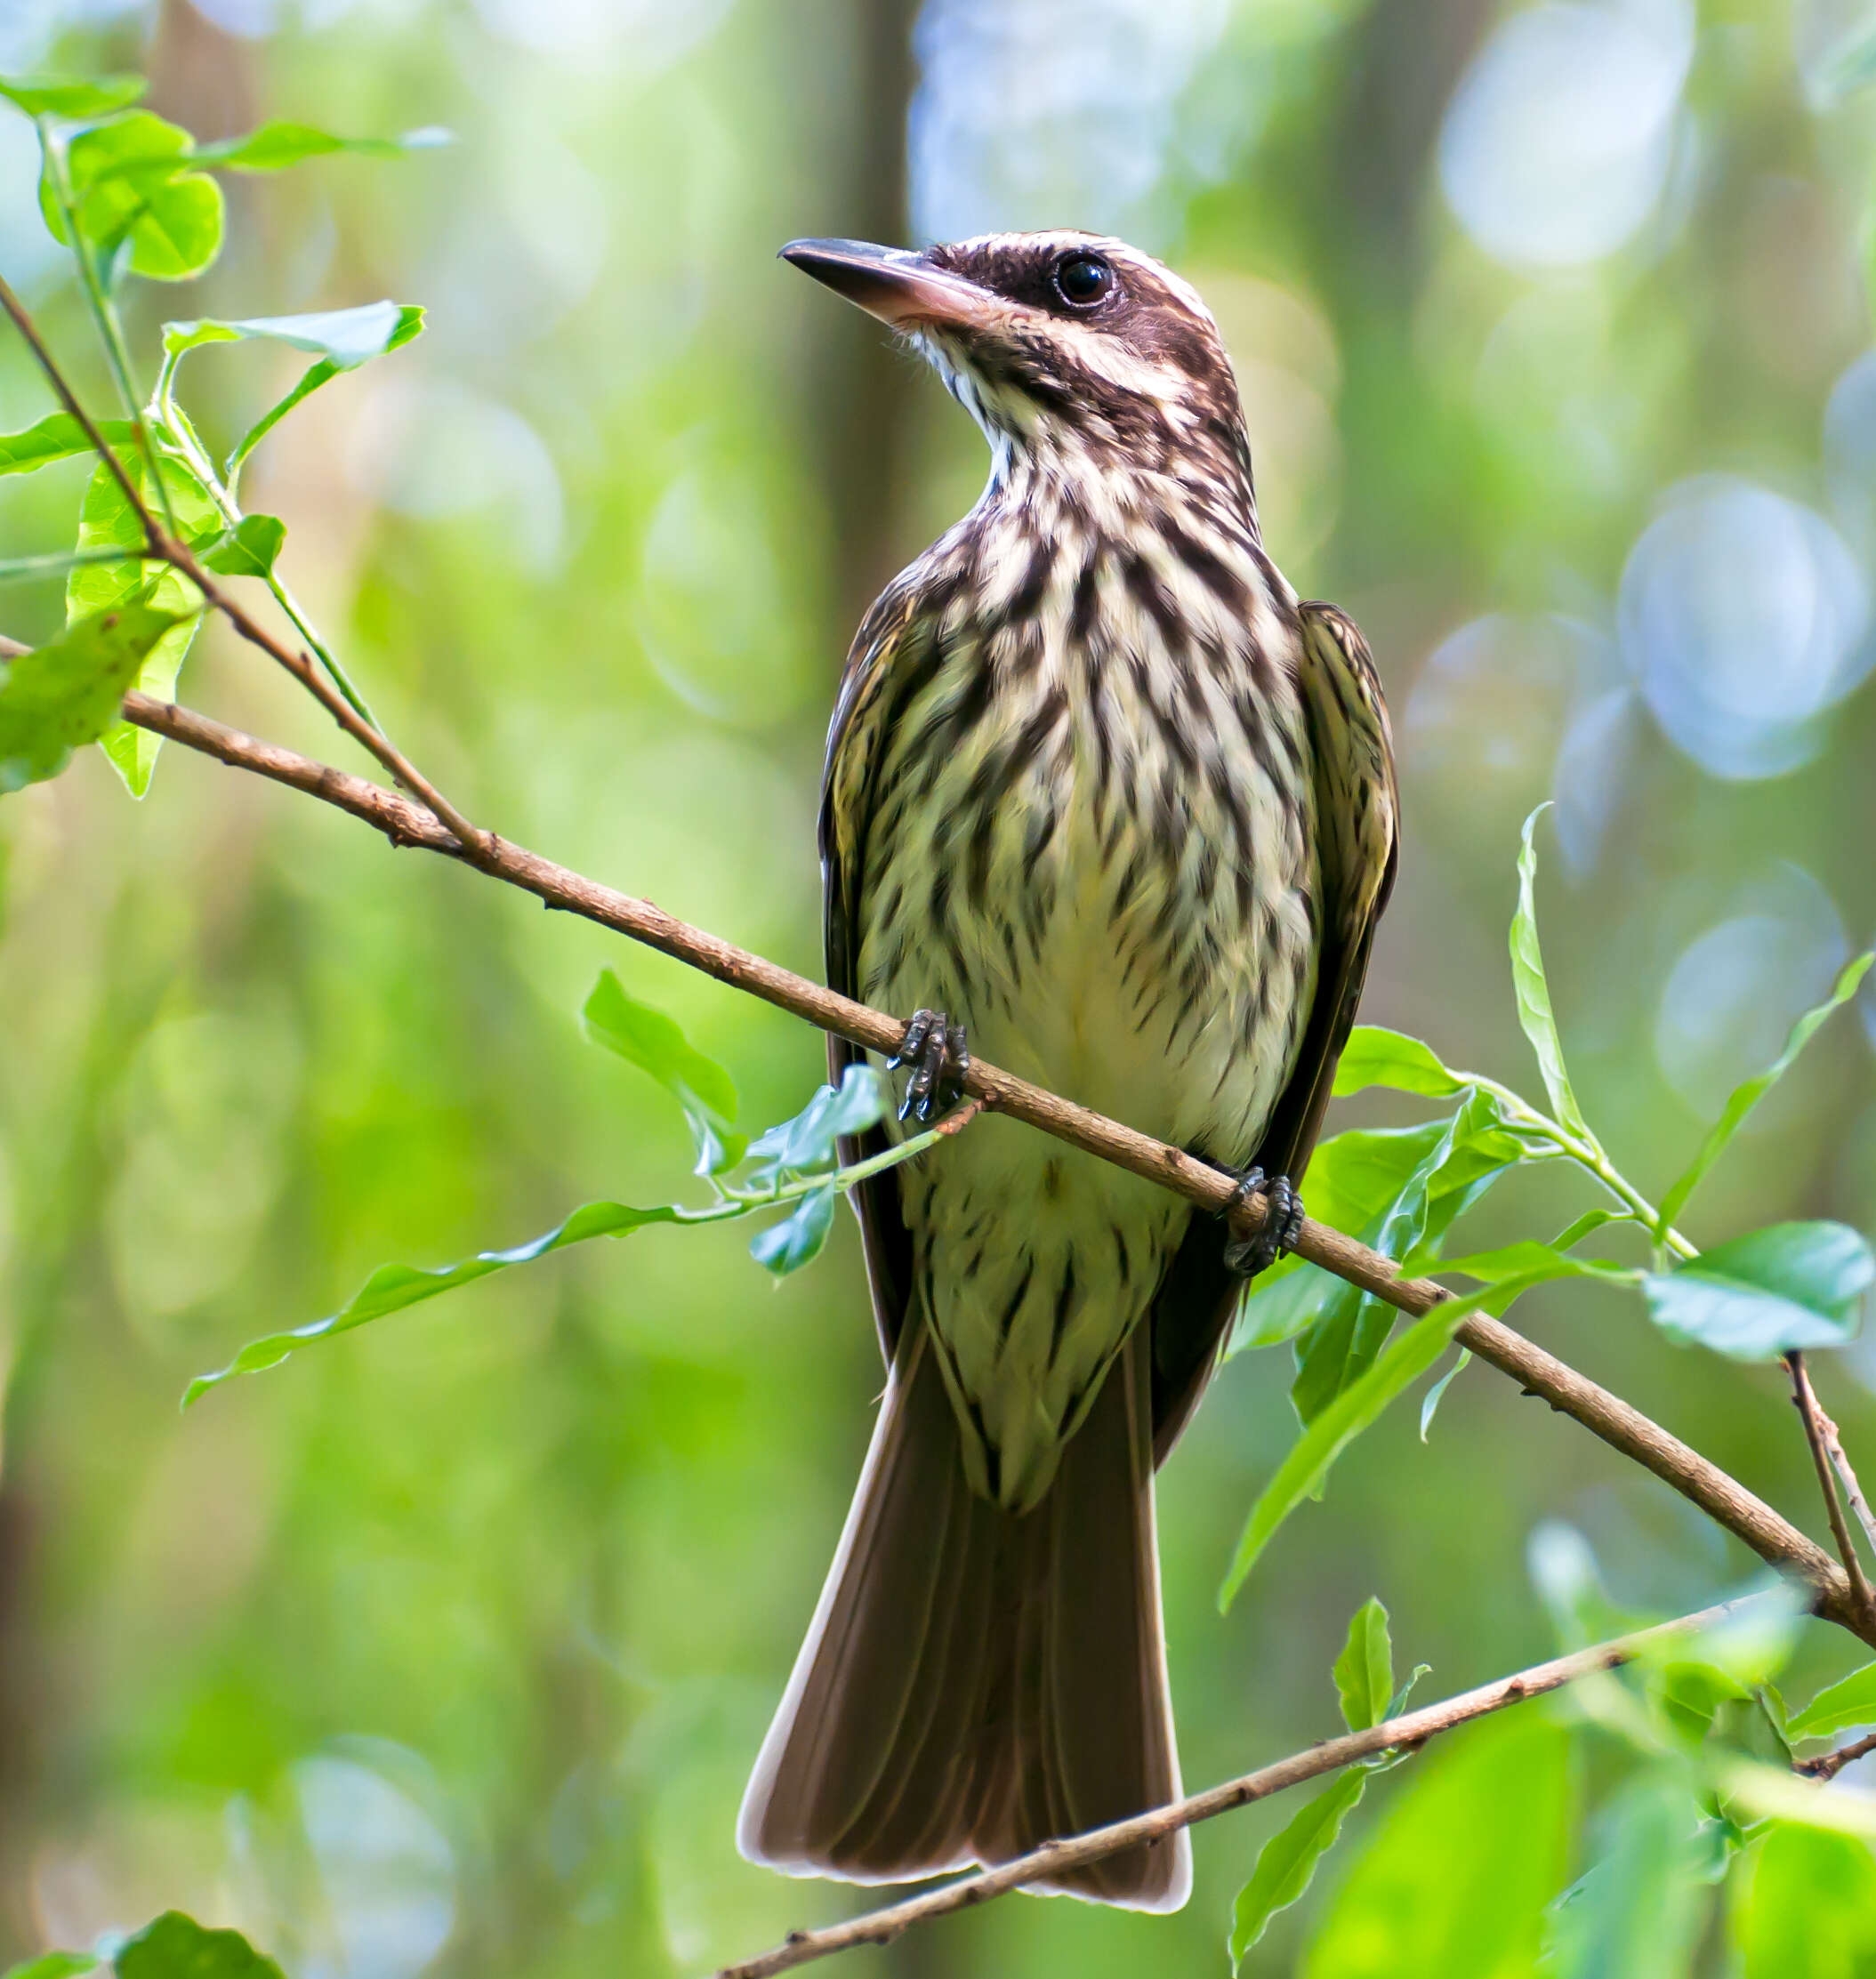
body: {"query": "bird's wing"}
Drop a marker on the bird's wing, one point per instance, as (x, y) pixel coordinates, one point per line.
(1356, 820)
(882, 648)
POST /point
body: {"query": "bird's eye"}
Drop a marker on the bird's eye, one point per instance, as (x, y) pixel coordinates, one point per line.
(1083, 280)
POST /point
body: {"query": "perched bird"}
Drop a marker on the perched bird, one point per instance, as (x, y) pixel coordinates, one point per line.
(1101, 793)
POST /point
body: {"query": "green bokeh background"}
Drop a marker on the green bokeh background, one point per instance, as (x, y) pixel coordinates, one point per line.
(448, 1647)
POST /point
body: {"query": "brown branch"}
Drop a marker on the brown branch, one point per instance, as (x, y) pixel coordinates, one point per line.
(1804, 1399)
(1829, 1764)
(1407, 1732)
(1721, 1497)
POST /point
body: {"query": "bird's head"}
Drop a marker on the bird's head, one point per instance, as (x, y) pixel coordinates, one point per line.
(1070, 350)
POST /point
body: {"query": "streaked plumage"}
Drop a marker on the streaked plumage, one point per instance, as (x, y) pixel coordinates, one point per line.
(1102, 789)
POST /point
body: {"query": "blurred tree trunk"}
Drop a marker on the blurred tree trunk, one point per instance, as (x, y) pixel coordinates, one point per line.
(861, 389)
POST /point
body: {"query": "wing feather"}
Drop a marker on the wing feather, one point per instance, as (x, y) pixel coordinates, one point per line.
(1358, 817)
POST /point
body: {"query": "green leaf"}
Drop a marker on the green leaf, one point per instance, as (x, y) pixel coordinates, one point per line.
(1638, 1910)
(1454, 1882)
(807, 1142)
(56, 438)
(1533, 993)
(131, 182)
(1850, 1701)
(348, 337)
(797, 1239)
(1436, 1393)
(1467, 1154)
(176, 1947)
(278, 144)
(1404, 1360)
(249, 548)
(1358, 1406)
(392, 1288)
(651, 1040)
(59, 696)
(107, 521)
(1759, 1295)
(342, 339)
(54, 1964)
(72, 95)
(1806, 1908)
(1365, 1670)
(1745, 1097)
(1376, 1057)
(1287, 1863)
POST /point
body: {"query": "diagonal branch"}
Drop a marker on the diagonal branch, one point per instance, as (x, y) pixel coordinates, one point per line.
(1399, 1734)
(1723, 1497)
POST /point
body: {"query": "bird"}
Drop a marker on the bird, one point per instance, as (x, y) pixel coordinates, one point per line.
(1105, 800)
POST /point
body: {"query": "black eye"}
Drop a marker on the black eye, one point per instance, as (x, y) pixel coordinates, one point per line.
(1083, 280)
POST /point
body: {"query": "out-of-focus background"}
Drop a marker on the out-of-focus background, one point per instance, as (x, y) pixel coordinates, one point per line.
(447, 1648)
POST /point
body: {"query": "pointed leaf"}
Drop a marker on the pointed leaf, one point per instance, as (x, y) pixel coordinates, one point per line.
(344, 339)
(1436, 1394)
(1850, 1701)
(651, 1040)
(1759, 1295)
(1365, 1670)
(797, 1239)
(72, 95)
(392, 1288)
(807, 1142)
(1533, 993)
(1377, 1057)
(59, 696)
(54, 1964)
(278, 144)
(1745, 1097)
(1287, 1863)
(348, 337)
(56, 438)
(176, 1947)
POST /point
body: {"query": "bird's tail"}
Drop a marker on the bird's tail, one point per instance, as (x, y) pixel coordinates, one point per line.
(976, 1682)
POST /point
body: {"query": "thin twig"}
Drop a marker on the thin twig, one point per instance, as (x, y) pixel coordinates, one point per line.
(1831, 1764)
(1054, 1858)
(27, 329)
(163, 546)
(1723, 1497)
(1851, 1489)
(1804, 1399)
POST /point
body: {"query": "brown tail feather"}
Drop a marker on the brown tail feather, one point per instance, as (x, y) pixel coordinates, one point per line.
(973, 1683)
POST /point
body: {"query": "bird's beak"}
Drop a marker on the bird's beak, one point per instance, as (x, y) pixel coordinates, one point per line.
(905, 290)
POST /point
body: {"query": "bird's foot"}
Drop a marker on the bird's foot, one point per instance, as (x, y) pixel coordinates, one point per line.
(935, 1050)
(1283, 1220)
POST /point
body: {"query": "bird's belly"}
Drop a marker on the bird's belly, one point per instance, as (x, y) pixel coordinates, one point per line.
(1128, 963)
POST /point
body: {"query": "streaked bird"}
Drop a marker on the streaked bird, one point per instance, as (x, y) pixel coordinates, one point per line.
(1102, 795)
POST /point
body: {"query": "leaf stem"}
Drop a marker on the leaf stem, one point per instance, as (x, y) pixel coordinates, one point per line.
(104, 312)
(55, 563)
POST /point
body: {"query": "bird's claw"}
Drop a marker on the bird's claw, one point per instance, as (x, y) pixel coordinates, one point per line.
(939, 1058)
(1276, 1235)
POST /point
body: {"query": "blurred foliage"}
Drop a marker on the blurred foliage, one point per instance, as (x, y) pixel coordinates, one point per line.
(448, 1647)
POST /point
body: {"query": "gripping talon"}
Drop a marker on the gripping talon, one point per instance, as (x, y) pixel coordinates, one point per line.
(937, 1051)
(1282, 1222)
